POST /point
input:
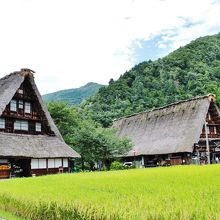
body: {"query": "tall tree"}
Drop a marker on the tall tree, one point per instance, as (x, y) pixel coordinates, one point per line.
(86, 136)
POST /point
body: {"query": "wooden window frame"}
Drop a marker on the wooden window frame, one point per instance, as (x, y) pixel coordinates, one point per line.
(38, 127)
(25, 107)
(13, 105)
(215, 130)
(21, 126)
(20, 104)
(2, 123)
(20, 91)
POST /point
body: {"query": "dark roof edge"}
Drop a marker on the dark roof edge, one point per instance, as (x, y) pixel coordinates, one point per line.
(210, 96)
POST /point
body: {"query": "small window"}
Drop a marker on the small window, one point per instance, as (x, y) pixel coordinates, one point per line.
(58, 162)
(215, 130)
(211, 129)
(27, 107)
(34, 164)
(38, 126)
(65, 162)
(20, 91)
(51, 163)
(21, 104)
(21, 125)
(2, 123)
(42, 163)
(13, 105)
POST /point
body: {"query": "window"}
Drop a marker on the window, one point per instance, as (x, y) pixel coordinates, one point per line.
(21, 125)
(2, 123)
(42, 163)
(13, 105)
(215, 130)
(34, 164)
(20, 104)
(58, 162)
(27, 108)
(65, 162)
(211, 129)
(38, 163)
(38, 126)
(20, 91)
(51, 163)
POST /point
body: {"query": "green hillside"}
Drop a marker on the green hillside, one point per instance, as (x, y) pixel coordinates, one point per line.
(73, 96)
(187, 72)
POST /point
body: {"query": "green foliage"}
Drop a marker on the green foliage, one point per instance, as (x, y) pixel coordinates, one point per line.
(187, 72)
(116, 165)
(73, 96)
(178, 192)
(86, 136)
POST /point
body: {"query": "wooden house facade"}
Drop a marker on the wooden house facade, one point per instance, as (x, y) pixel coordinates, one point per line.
(30, 143)
(180, 133)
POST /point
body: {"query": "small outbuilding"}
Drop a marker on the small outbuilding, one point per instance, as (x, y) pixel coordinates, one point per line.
(30, 143)
(184, 132)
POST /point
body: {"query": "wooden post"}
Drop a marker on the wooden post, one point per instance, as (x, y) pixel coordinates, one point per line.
(207, 143)
(198, 156)
(142, 161)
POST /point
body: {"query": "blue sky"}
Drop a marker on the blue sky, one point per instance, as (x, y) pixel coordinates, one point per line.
(151, 49)
(70, 43)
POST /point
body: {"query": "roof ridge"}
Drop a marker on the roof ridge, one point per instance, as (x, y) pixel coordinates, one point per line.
(168, 105)
(23, 72)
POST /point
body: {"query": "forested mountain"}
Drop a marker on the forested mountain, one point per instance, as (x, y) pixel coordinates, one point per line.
(73, 96)
(187, 72)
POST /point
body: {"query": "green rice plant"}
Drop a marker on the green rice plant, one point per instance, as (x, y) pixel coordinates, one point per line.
(169, 193)
(9, 216)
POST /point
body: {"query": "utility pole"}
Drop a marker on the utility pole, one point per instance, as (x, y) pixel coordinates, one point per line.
(207, 143)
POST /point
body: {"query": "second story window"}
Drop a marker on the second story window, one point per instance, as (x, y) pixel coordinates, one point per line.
(21, 125)
(2, 123)
(38, 126)
(27, 107)
(209, 116)
(20, 91)
(21, 104)
(215, 130)
(13, 105)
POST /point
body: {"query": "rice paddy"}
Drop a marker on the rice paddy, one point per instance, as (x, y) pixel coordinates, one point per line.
(179, 192)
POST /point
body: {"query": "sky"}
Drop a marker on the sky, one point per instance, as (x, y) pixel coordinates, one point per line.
(69, 43)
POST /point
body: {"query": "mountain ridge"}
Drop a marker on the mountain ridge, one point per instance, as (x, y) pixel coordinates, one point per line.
(75, 95)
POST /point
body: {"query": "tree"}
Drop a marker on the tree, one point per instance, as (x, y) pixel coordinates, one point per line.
(86, 136)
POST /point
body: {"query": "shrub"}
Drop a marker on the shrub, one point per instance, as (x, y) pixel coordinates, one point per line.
(116, 165)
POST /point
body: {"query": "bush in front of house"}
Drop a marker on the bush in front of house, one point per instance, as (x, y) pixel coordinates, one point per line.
(116, 165)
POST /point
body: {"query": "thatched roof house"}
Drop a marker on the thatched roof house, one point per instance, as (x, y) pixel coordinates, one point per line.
(27, 131)
(172, 129)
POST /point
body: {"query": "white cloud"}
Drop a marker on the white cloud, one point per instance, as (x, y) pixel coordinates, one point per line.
(69, 43)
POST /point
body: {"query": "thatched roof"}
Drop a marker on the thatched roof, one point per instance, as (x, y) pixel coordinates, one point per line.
(171, 129)
(29, 145)
(33, 146)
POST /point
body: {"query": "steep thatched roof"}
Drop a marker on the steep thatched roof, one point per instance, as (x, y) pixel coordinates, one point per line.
(29, 145)
(33, 146)
(170, 129)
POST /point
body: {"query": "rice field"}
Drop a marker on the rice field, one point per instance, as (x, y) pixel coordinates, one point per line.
(179, 192)
(7, 215)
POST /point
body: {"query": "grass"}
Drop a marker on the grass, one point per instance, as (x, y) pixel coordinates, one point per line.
(181, 192)
(9, 216)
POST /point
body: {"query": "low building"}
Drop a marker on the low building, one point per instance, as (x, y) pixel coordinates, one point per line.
(30, 143)
(180, 133)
